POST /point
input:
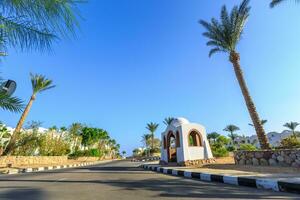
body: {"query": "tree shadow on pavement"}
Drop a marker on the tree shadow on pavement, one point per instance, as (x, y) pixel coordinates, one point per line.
(22, 193)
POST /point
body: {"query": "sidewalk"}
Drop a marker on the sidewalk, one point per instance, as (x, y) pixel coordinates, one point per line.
(36, 168)
(284, 179)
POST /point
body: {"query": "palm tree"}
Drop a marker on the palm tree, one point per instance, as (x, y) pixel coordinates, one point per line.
(35, 25)
(223, 37)
(276, 2)
(263, 122)
(152, 127)
(39, 84)
(292, 126)
(75, 131)
(213, 136)
(231, 129)
(168, 120)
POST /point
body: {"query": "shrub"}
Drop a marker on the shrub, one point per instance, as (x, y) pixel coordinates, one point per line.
(53, 146)
(220, 152)
(87, 153)
(247, 147)
(231, 148)
(27, 144)
(290, 142)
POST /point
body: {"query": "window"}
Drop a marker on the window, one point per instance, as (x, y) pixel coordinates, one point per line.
(194, 139)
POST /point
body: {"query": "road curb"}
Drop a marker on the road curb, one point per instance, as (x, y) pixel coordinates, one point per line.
(278, 186)
(50, 168)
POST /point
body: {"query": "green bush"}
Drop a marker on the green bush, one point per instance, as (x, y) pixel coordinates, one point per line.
(220, 152)
(87, 153)
(231, 148)
(247, 147)
(290, 143)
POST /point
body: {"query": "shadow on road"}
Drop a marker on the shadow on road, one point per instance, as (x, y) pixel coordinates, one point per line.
(22, 193)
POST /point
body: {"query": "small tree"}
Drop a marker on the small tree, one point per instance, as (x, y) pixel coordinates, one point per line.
(168, 120)
(231, 129)
(292, 126)
(213, 136)
(152, 127)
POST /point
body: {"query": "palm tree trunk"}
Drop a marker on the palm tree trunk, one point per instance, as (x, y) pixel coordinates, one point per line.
(11, 144)
(261, 135)
(152, 143)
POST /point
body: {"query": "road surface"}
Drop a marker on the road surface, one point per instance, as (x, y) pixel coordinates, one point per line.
(120, 180)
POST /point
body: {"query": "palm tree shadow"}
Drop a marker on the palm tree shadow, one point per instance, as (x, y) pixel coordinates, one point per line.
(23, 193)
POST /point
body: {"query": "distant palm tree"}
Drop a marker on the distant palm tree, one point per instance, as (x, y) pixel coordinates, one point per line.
(292, 126)
(231, 129)
(276, 2)
(213, 136)
(168, 120)
(34, 25)
(223, 37)
(75, 131)
(152, 127)
(263, 122)
(39, 84)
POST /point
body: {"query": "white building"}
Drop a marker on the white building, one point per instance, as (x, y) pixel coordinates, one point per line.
(185, 143)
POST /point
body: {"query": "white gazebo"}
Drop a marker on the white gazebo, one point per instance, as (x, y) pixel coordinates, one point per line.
(185, 143)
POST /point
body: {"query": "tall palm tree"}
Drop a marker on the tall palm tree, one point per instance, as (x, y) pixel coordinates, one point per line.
(36, 24)
(224, 36)
(263, 122)
(231, 129)
(276, 2)
(292, 126)
(168, 120)
(39, 84)
(152, 127)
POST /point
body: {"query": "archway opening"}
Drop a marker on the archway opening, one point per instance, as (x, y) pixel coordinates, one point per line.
(172, 154)
(194, 139)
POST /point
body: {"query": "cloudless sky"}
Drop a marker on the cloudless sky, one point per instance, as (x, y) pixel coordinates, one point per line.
(139, 61)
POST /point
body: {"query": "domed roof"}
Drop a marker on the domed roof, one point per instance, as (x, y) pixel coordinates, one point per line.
(179, 121)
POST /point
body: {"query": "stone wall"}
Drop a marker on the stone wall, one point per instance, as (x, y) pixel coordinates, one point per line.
(285, 157)
(190, 162)
(32, 160)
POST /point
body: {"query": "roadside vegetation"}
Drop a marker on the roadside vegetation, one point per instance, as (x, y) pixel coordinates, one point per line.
(76, 141)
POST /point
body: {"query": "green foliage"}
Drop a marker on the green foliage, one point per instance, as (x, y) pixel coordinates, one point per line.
(36, 24)
(212, 136)
(53, 146)
(27, 144)
(12, 104)
(87, 153)
(40, 83)
(247, 147)
(220, 152)
(290, 142)
(231, 148)
(224, 35)
(90, 136)
(168, 120)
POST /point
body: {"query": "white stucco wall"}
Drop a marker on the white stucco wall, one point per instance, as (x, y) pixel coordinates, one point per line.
(195, 153)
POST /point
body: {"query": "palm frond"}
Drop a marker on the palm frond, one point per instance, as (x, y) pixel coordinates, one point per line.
(19, 33)
(9, 103)
(277, 2)
(40, 83)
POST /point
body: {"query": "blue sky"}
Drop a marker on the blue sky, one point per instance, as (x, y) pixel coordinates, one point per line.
(140, 61)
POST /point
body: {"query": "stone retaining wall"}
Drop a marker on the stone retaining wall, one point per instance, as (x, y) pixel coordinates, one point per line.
(32, 160)
(285, 157)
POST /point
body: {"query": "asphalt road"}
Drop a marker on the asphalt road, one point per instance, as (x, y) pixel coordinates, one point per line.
(120, 180)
